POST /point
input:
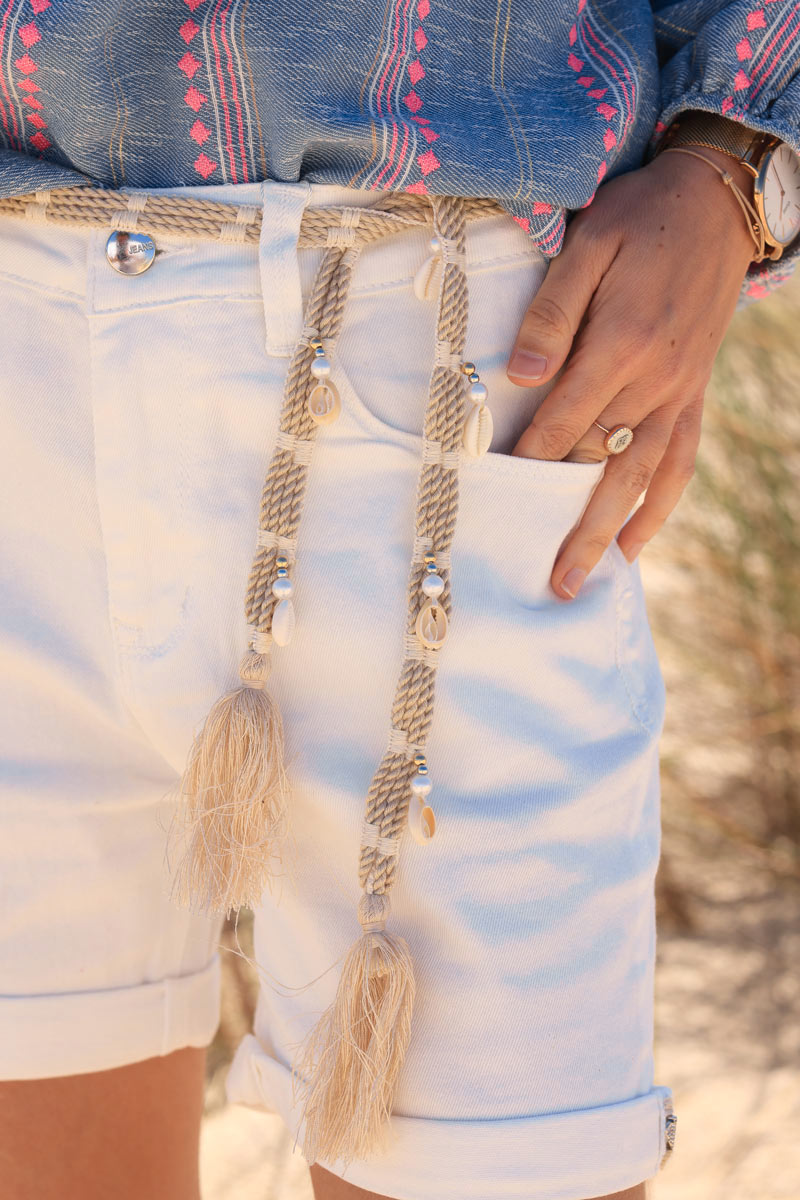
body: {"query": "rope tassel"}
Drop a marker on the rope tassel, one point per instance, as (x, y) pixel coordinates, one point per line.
(235, 791)
(355, 1052)
(353, 1057)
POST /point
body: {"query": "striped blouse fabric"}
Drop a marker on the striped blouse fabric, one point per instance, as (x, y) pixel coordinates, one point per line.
(533, 104)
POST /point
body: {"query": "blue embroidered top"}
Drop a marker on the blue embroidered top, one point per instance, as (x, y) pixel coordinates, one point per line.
(533, 103)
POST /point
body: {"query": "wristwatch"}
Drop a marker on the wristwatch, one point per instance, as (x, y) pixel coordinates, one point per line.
(774, 165)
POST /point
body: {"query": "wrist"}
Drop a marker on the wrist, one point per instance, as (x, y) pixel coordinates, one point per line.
(715, 211)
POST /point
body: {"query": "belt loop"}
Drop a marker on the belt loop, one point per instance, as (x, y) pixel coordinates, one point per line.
(283, 205)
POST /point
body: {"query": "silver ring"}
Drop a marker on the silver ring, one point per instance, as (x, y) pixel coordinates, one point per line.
(618, 439)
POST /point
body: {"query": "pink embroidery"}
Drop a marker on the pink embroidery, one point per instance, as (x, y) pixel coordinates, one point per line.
(757, 20)
(541, 207)
(428, 162)
(32, 102)
(523, 223)
(423, 8)
(189, 64)
(420, 40)
(26, 64)
(188, 30)
(39, 6)
(29, 34)
(39, 141)
(616, 80)
(193, 4)
(390, 80)
(416, 71)
(413, 101)
(428, 134)
(29, 85)
(204, 164)
(199, 132)
(194, 98)
(779, 54)
(418, 188)
(36, 120)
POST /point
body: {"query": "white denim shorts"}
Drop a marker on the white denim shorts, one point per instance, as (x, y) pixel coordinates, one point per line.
(139, 415)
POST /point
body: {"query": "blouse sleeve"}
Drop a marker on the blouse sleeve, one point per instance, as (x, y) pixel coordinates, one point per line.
(741, 60)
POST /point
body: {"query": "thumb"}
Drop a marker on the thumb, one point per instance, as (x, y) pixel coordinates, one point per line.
(549, 326)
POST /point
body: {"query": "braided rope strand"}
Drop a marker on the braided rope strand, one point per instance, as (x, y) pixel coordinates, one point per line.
(437, 502)
(184, 216)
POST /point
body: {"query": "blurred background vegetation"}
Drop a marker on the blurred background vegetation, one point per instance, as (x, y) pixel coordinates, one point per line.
(722, 581)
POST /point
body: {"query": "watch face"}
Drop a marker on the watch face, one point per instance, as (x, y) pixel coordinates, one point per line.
(779, 181)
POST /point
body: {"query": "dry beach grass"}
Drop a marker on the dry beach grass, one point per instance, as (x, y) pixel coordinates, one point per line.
(723, 587)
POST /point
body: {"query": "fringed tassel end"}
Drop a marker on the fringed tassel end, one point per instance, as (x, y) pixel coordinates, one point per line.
(353, 1056)
(234, 798)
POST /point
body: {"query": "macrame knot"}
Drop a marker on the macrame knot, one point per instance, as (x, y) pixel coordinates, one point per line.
(255, 665)
(373, 909)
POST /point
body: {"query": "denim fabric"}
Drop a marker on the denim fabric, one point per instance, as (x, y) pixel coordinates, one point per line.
(138, 420)
(534, 105)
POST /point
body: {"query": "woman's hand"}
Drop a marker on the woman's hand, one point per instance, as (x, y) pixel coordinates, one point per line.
(634, 308)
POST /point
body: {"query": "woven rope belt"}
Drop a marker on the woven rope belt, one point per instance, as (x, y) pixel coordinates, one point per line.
(234, 791)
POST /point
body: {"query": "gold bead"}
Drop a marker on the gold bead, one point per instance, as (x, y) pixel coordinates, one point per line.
(468, 368)
(419, 758)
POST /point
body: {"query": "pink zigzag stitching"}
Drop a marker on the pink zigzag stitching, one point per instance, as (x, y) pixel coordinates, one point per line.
(193, 97)
(29, 34)
(756, 20)
(609, 64)
(427, 161)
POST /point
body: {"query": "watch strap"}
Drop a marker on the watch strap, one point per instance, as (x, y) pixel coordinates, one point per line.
(705, 129)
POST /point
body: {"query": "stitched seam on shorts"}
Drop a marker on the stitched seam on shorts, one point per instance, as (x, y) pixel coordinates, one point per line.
(640, 709)
(37, 286)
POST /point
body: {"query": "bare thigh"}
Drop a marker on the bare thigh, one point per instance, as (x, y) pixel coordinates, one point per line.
(331, 1187)
(128, 1133)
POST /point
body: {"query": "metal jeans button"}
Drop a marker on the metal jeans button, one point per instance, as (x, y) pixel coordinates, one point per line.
(130, 253)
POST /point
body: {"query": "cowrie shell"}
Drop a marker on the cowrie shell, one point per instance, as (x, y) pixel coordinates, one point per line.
(324, 403)
(478, 431)
(431, 626)
(422, 824)
(283, 622)
(428, 278)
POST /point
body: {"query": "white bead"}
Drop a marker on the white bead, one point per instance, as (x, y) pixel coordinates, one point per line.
(282, 587)
(433, 585)
(478, 393)
(321, 367)
(428, 279)
(421, 823)
(478, 431)
(283, 622)
(421, 785)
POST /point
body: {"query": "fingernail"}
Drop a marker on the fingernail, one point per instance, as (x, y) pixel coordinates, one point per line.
(633, 550)
(571, 583)
(527, 365)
